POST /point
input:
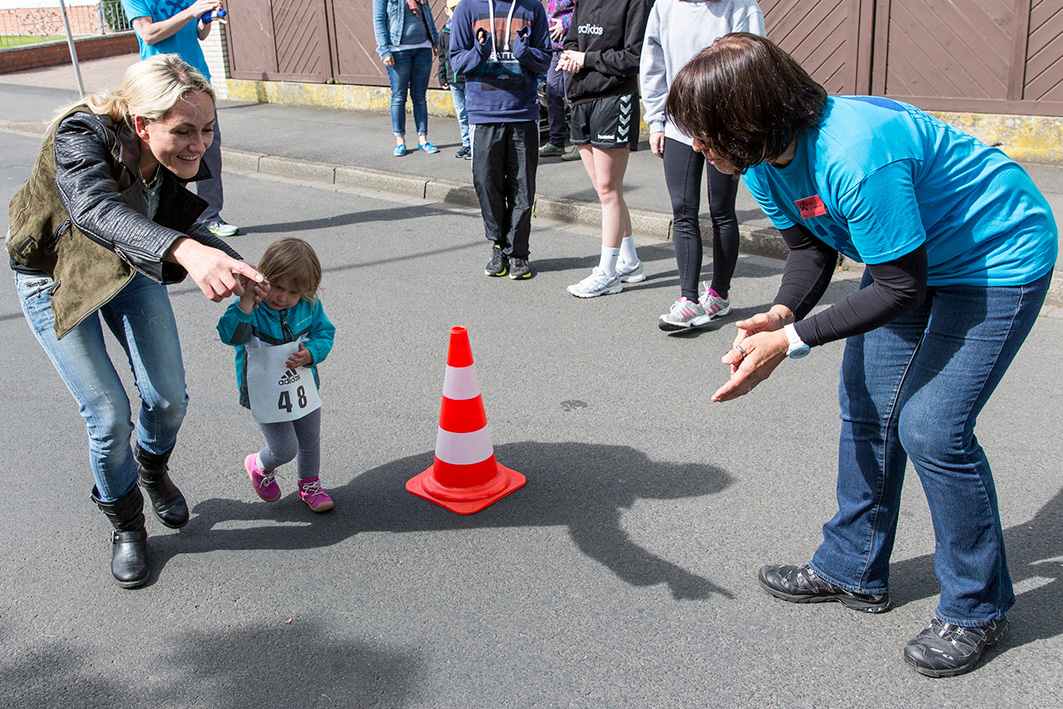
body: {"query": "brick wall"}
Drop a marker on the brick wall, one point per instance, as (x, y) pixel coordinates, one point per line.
(216, 54)
(84, 19)
(53, 53)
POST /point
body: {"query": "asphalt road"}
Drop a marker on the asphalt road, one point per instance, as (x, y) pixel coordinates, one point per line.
(622, 575)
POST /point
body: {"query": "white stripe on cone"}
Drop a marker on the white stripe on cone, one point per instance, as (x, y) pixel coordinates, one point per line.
(459, 383)
(464, 448)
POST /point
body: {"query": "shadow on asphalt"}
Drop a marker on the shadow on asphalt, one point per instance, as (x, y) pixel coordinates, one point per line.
(356, 674)
(581, 486)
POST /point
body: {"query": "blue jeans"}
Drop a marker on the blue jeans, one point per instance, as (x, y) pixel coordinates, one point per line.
(141, 319)
(555, 102)
(411, 73)
(913, 389)
(211, 190)
(457, 94)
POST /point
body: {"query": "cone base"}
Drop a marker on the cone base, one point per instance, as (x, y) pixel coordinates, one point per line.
(467, 505)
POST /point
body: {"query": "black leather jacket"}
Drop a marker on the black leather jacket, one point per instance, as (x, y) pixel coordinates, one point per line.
(85, 193)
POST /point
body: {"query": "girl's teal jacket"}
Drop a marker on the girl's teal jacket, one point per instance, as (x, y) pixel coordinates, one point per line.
(304, 320)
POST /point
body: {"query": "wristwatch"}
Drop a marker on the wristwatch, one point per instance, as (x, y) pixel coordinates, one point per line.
(798, 348)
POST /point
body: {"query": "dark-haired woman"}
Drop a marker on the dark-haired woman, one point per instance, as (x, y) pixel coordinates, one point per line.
(959, 247)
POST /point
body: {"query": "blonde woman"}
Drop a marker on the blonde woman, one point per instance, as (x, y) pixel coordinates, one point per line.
(105, 213)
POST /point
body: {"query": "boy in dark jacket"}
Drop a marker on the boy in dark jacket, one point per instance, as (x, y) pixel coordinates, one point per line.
(455, 82)
(501, 47)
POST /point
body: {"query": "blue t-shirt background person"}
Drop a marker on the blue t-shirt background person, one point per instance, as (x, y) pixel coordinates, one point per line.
(174, 27)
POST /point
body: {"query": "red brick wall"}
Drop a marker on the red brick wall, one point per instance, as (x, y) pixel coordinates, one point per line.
(53, 53)
(84, 19)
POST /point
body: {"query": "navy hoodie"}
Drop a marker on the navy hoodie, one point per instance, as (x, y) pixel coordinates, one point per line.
(502, 74)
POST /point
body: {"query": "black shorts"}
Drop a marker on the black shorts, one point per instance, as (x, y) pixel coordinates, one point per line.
(606, 123)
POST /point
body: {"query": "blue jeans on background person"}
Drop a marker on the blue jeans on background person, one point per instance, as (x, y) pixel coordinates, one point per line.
(457, 95)
(913, 389)
(211, 190)
(555, 102)
(141, 319)
(411, 73)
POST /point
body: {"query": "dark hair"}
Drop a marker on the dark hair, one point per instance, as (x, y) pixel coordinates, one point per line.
(745, 99)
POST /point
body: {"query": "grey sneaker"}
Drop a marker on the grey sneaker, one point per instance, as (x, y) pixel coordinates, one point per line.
(519, 268)
(499, 263)
(551, 151)
(800, 584)
(945, 650)
(571, 155)
(684, 314)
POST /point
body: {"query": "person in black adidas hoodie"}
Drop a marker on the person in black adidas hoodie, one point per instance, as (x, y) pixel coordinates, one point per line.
(602, 50)
(501, 46)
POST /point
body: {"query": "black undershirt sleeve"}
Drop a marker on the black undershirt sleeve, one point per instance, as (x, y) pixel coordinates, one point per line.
(807, 273)
(897, 287)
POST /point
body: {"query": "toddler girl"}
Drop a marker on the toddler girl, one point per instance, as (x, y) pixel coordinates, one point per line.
(290, 312)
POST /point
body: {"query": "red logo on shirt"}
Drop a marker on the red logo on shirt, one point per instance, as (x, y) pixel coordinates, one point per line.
(811, 207)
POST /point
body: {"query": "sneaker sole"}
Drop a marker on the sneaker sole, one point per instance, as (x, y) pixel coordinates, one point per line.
(633, 279)
(519, 277)
(694, 324)
(263, 497)
(496, 275)
(607, 291)
(323, 507)
(849, 602)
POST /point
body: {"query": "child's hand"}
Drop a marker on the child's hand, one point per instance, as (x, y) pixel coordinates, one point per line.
(302, 358)
(253, 294)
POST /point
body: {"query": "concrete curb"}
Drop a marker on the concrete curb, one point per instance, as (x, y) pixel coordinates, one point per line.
(658, 225)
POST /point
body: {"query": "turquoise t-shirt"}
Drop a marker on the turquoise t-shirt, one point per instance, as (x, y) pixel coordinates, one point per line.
(185, 43)
(877, 178)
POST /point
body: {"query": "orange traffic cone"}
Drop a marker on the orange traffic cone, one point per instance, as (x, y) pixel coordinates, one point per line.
(465, 477)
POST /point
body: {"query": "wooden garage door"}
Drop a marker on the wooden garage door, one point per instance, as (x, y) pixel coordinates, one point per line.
(991, 56)
(830, 38)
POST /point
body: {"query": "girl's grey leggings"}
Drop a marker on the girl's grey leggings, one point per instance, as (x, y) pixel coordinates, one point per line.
(288, 439)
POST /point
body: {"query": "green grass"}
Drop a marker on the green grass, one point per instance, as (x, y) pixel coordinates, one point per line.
(16, 40)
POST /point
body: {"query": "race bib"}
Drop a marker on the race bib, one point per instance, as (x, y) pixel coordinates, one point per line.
(278, 393)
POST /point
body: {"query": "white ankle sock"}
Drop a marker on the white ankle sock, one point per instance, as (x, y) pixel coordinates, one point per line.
(628, 254)
(608, 260)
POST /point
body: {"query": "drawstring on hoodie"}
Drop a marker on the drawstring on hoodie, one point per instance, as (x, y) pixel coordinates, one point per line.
(509, 24)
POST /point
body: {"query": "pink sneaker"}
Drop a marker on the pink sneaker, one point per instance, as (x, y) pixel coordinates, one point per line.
(262, 480)
(312, 494)
(715, 306)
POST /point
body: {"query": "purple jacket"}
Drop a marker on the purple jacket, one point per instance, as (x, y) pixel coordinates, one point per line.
(560, 10)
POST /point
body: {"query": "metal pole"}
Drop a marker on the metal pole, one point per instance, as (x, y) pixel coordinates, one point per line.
(73, 49)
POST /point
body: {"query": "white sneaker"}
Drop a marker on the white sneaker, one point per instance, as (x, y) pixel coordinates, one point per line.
(631, 273)
(222, 229)
(715, 307)
(596, 284)
(685, 314)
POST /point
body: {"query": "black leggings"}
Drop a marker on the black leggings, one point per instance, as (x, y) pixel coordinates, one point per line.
(682, 173)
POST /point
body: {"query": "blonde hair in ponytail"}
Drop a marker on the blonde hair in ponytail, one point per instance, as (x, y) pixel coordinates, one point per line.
(151, 88)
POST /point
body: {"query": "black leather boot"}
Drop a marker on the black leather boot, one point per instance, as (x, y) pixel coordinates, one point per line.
(166, 500)
(129, 557)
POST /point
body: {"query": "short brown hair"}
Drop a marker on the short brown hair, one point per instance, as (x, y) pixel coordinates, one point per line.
(745, 99)
(293, 260)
